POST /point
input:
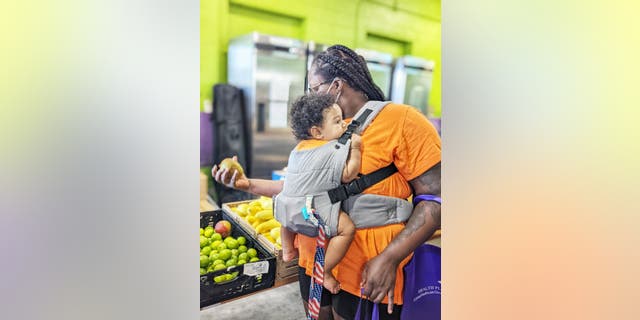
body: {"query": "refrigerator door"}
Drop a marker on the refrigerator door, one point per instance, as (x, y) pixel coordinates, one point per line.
(379, 64)
(313, 49)
(271, 71)
(412, 78)
(416, 91)
(381, 75)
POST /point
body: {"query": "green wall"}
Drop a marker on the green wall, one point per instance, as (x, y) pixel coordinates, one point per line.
(398, 27)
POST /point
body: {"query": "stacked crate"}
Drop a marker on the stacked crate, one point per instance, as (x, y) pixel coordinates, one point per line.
(285, 271)
(251, 277)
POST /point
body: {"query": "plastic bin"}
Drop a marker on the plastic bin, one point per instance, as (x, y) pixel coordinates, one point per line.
(211, 292)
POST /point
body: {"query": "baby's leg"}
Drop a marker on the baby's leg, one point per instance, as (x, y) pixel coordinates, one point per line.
(288, 251)
(337, 248)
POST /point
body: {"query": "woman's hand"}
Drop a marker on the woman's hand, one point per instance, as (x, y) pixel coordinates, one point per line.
(235, 181)
(379, 279)
(379, 274)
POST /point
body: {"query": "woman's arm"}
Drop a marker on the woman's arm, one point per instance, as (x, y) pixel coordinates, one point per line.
(263, 187)
(239, 181)
(377, 280)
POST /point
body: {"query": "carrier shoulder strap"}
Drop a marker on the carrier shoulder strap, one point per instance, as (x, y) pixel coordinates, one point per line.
(351, 128)
(345, 190)
(357, 186)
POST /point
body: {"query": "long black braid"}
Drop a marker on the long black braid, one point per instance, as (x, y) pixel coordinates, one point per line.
(356, 57)
(342, 62)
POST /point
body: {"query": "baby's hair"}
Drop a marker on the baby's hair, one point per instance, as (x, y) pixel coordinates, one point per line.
(308, 111)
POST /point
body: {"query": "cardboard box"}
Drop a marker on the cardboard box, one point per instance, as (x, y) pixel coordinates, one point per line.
(204, 186)
(284, 270)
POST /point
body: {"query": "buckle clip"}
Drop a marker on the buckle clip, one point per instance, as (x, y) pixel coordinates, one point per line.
(354, 187)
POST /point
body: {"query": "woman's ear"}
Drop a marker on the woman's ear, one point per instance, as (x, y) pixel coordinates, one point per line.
(338, 84)
(315, 132)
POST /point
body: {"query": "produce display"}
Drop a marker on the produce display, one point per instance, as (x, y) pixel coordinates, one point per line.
(259, 214)
(219, 250)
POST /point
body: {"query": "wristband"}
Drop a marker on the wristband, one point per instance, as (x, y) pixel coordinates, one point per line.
(426, 197)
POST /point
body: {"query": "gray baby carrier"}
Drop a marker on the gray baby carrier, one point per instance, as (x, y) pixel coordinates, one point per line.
(313, 181)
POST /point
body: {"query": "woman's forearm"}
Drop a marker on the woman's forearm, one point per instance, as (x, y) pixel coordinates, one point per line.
(264, 187)
(424, 220)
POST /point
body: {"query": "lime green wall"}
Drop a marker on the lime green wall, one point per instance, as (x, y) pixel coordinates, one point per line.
(398, 27)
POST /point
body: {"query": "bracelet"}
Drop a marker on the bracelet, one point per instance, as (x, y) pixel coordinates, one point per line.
(426, 197)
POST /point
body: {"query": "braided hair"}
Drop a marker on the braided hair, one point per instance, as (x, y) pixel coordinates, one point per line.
(342, 62)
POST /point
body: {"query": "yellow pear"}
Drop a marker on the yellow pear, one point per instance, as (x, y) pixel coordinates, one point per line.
(232, 166)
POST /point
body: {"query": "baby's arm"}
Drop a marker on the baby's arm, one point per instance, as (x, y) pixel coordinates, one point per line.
(352, 168)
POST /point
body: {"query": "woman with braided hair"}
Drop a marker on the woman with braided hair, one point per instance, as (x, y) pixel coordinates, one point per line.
(398, 134)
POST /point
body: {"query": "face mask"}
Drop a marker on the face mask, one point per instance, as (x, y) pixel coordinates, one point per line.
(339, 92)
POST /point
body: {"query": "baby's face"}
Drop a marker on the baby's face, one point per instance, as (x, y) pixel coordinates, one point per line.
(332, 124)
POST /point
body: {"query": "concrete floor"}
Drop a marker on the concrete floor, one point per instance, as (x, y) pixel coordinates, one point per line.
(282, 303)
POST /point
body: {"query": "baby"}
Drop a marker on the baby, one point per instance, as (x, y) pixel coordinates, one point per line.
(316, 119)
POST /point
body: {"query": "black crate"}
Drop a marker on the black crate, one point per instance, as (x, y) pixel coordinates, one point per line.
(211, 292)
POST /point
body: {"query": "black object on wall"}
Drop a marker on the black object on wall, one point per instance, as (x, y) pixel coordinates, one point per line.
(232, 135)
(261, 117)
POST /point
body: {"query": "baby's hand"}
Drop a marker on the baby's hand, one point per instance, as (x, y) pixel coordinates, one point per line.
(356, 141)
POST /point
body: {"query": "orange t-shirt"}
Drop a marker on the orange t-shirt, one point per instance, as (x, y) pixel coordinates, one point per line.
(398, 134)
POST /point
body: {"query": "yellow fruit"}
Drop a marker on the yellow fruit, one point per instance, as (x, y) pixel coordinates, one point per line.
(279, 240)
(254, 209)
(266, 203)
(265, 215)
(254, 203)
(270, 239)
(275, 233)
(238, 212)
(242, 208)
(232, 166)
(251, 219)
(255, 224)
(267, 225)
